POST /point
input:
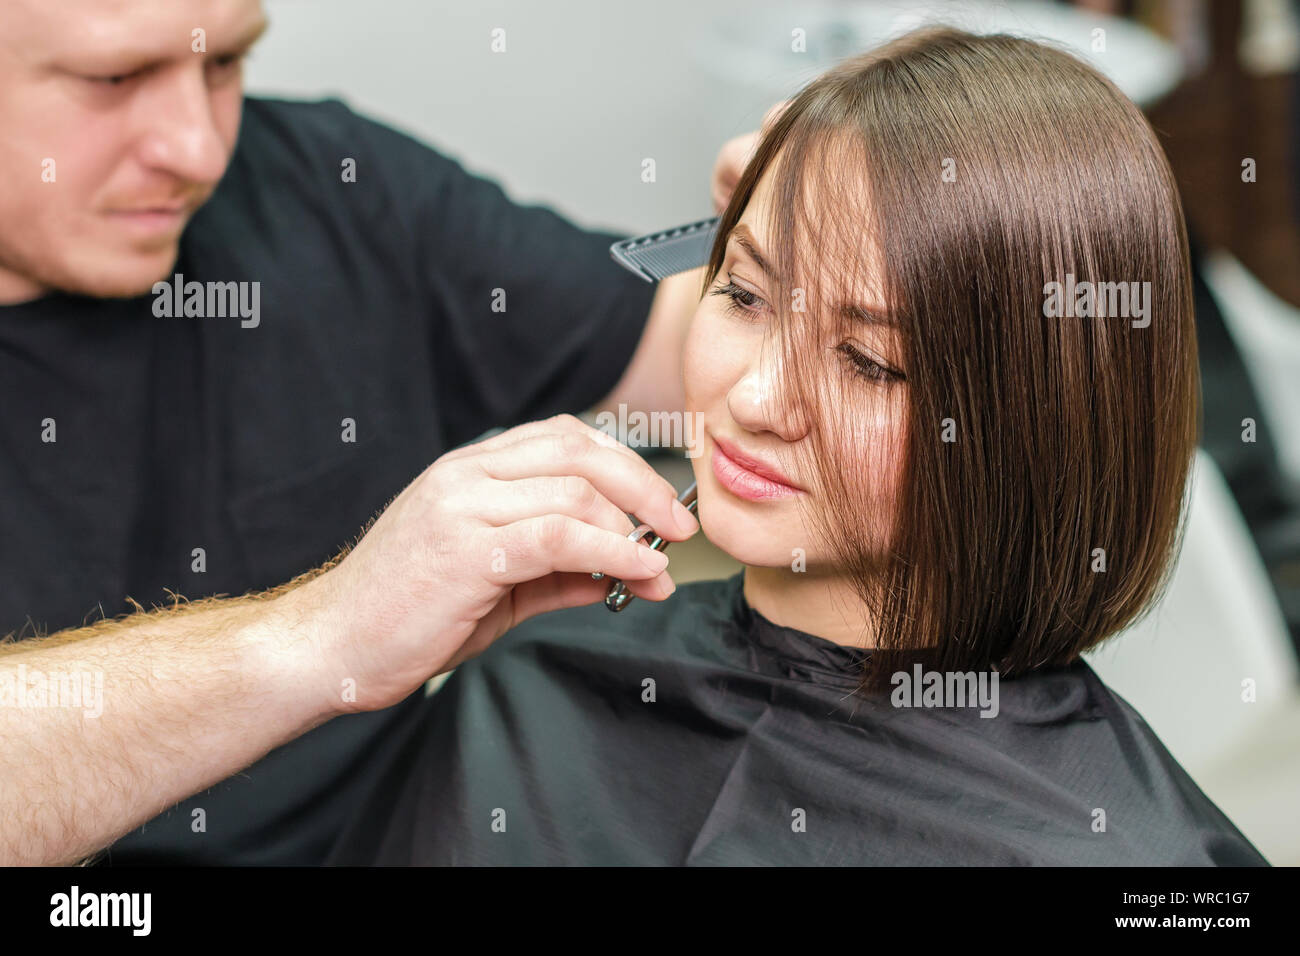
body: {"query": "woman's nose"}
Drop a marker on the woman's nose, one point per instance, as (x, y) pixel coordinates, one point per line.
(758, 399)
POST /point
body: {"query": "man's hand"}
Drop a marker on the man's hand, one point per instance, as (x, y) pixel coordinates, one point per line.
(735, 156)
(487, 536)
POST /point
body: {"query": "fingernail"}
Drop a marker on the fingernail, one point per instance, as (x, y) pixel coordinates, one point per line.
(656, 561)
(685, 520)
(669, 587)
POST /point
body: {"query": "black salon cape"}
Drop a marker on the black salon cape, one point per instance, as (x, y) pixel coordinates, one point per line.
(544, 750)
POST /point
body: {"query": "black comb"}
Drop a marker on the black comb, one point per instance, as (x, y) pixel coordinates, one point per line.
(661, 254)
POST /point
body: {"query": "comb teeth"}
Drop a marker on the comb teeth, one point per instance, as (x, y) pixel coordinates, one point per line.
(660, 254)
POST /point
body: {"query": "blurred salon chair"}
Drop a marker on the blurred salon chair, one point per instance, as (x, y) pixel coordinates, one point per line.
(1249, 342)
(1266, 330)
(1215, 639)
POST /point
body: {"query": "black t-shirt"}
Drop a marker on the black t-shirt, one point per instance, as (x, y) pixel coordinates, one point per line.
(548, 749)
(376, 305)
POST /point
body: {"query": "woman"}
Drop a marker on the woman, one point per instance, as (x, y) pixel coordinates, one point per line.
(946, 368)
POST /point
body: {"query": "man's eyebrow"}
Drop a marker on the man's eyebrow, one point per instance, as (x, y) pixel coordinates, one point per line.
(127, 60)
(247, 38)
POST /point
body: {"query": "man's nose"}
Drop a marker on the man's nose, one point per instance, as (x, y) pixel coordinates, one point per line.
(182, 137)
(757, 399)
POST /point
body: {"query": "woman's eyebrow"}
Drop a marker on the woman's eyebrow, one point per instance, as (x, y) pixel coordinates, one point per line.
(854, 313)
(745, 242)
(860, 313)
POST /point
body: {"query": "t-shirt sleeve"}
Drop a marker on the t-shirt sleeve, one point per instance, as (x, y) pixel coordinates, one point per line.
(528, 314)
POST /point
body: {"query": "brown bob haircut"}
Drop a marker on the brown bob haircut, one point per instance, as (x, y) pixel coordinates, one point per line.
(1045, 458)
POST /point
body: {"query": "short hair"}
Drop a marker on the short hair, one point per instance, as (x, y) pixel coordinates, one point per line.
(994, 166)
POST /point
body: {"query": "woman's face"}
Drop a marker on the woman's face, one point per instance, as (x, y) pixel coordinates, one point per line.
(750, 500)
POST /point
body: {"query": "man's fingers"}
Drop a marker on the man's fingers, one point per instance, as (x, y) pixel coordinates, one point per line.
(538, 546)
(564, 590)
(556, 592)
(629, 482)
(772, 115)
(556, 423)
(732, 160)
(652, 589)
(735, 156)
(571, 495)
(578, 498)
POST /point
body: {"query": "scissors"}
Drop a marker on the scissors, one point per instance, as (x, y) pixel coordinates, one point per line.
(618, 596)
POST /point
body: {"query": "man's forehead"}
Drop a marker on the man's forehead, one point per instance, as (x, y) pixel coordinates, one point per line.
(147, 28)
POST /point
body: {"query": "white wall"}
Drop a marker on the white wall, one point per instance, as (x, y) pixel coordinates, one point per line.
(587, 89)
(584, 92)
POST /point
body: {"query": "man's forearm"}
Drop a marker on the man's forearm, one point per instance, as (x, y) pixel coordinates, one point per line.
(185, 698)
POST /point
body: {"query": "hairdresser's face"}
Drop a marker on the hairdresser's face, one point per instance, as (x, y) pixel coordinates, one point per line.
(119, 119)
(751, 493)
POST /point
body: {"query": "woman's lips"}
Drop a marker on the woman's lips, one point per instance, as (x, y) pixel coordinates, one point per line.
(743, 482)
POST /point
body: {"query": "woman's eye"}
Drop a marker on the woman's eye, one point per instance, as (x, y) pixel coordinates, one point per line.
(869, 368)
(742, 300)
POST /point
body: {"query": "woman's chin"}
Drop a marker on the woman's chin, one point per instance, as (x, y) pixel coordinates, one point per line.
(751, 543)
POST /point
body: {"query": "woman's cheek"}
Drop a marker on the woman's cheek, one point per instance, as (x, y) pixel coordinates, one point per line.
(707, 358)
(871, 451)
(887, 438)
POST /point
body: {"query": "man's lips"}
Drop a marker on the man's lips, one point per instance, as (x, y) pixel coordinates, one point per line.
(160, 207)
(172, 205)
(152, 218)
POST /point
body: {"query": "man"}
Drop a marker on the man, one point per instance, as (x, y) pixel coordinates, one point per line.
(223, 348)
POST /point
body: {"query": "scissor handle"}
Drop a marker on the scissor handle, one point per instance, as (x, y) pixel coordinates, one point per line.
(618, 596)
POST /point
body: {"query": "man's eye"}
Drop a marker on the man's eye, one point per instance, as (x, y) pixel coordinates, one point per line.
(115, 80)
